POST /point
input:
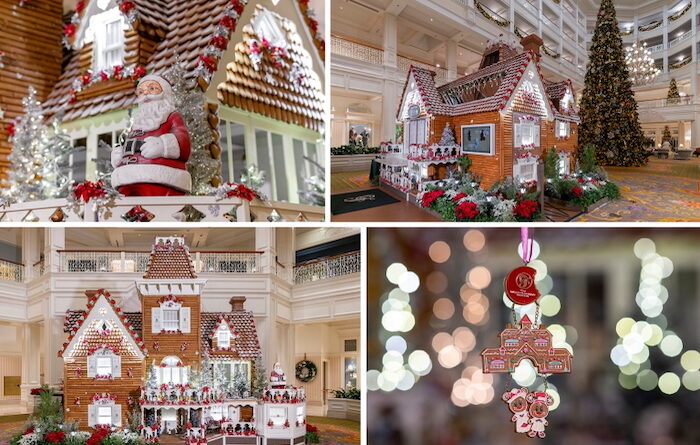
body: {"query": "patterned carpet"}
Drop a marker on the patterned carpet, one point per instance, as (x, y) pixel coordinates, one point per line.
(662, 191)
(331, 431)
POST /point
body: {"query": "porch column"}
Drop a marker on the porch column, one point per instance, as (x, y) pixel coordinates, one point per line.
(31, 251)
(265, 242)
(54, 240)
(30, 364)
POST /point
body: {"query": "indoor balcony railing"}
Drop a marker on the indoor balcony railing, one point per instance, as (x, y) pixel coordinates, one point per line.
(663, 103)
(325, 268)
(685, 36)
(136, 261)
(11, 271)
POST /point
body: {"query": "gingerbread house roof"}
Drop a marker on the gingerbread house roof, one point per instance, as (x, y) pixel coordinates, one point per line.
(83, 337)
(290, 92)
(507, 73)
(246, 344)
(185, 29)
(170, 262)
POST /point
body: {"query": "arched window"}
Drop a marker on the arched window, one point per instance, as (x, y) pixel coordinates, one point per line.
(172, 371)
(267, 26)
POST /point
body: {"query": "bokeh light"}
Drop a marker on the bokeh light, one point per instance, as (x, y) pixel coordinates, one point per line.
(439, 252)
(394, 272)
(479, 277)
(443, 308)
(474, 240)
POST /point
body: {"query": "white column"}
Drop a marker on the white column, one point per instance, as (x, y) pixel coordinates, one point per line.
(30, 363)
(54, 240)
(31, 251)
(665, 36)
(52, 338)
(265, 243)
(389, 110)
(451, 51)
(390, 40)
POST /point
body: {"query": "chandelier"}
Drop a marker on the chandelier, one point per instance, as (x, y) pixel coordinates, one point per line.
(640, 65)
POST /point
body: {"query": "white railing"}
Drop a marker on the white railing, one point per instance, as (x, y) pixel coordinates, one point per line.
(227, 262)
(462, 2)
(11, 271)
(137, 261)
(331, 267)
(39, 268)
(550, 21)
(685, 36)
(662, 103)
(371, 55)
(656, 48)
(404, 63)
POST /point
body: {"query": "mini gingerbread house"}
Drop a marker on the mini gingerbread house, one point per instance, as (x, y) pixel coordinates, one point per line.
(526, 343)
(188, 373)
(505, 115)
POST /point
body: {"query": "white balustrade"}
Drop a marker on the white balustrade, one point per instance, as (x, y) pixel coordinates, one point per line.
(357, 51)
(39, 268)
(336, 266)
(227, 262)
(662, 103)
(685, 36)
(11, 271)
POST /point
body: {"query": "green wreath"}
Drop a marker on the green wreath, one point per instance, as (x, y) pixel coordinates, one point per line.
(306, 371)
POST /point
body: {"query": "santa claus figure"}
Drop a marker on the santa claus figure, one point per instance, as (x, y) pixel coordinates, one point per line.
(277, 377)
(152, 161)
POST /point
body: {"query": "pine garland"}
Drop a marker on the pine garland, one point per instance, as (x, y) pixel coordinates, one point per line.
(653, 25)
(609, 117)
(551, 54)
(680, 13)
(483, 10)
(681, 64)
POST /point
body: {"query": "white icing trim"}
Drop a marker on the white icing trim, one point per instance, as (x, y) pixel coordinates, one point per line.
(152, 174)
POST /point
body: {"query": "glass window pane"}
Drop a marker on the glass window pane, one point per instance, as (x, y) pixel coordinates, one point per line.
(281, 182)
(104, 155)
(238, 150)
(311, 150)
(300, 164)
(78, 166)
(263, 152)
(350, 373)
(225, 149)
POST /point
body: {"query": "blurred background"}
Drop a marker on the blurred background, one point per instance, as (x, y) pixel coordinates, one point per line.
(626, 301)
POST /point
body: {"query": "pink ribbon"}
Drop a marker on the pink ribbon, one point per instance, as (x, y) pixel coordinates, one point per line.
(526, 242)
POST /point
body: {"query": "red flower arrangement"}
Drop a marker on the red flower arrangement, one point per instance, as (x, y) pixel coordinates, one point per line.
(577, 192)
(209, 63)
(526, 209)
(311, 429)
(138, 73)
(467, 210)
(429, 198)
(219, 42)
(55, 437)
(241, 191)
(126, 7)
(36, 391)
(87, 190)
(459, 196)
(70, 30)
(97, 437)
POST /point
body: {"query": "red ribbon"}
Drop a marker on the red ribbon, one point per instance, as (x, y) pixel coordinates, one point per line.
(526, 242)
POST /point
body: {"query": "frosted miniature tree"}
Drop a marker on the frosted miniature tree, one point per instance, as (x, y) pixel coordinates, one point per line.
(205, 375)
(259, 378)
(448, 137)
(222, 377)
(152, 377)
(240, 383)
(191, 103)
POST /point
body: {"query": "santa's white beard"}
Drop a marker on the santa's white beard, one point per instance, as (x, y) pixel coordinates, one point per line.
(152, 113)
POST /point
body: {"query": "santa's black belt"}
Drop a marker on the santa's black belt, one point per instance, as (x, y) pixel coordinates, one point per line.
(133, 146)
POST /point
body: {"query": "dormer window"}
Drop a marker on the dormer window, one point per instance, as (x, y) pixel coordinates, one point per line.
(108, 39)
(223, 337)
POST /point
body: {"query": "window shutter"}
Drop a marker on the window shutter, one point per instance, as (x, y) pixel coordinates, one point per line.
(92, 415)
(185, 320)
(117, 415)
(116, 366)
(517, 137)
(92, 366)
(536, 136)
(156, 315)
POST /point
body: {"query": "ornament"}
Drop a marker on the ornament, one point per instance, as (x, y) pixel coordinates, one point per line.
(232, 215)
(523, 341)
(2, 64)
(129, 372)
(189, 214)
(58, 215)
(76, 401)
(274, 216)
(78, 370)
(138, 214)
(184, 346)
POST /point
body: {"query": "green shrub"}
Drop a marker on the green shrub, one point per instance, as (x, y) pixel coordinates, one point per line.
(350, 393)
(587, 159)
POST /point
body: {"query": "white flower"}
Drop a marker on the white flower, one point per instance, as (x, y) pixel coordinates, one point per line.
(29, 439)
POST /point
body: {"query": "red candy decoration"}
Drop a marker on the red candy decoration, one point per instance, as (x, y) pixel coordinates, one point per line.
(520, 285)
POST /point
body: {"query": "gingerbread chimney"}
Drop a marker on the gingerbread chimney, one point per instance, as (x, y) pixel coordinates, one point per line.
(237, 304)
(532, 43)
(90, 293)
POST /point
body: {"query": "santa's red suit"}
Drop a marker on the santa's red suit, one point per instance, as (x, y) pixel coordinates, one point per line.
(154, 162)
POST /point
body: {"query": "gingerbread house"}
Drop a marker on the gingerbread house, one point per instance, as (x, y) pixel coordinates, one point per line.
(260, 68)
(185, 373)
(526, 342)
(504, 116)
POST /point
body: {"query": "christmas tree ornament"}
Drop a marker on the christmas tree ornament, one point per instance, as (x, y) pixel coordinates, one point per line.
(526, 340)
(58, 215)
(189, 214)
(138, 214)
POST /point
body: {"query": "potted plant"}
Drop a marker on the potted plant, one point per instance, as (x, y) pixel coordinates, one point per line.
(345, 404)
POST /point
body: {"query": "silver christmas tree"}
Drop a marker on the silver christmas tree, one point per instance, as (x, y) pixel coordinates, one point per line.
(39, 167)
(259, 378)
(314, 191)
(191, 103)
(447, 139)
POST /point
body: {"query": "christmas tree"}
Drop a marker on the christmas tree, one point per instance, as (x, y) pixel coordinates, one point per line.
(240, 384)
(191, 103)
(666, 135)
(609, 118)
(673, 95)
(259, 378)
(39, 158)
(448, 136)
(206, 378)
(314, 191)
(152, 377)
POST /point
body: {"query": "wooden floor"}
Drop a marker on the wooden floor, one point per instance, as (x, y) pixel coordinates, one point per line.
(399, 212)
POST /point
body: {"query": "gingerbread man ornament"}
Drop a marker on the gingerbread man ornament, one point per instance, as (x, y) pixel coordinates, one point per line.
(517, 403)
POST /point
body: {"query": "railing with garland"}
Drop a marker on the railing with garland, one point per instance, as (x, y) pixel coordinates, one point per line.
(661, 103)
(325, 268)
(681, 64)
(491, 15)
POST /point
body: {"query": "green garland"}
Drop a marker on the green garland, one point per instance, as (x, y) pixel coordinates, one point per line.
(306, 371)
(653, 25)
(685, 61)
(482, 10)
(626, 33)
(680, 13)
(549, 53)
(519, 33)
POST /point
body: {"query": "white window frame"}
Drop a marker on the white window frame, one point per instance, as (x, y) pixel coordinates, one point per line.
(171, 373)
(99, 24)
(492, 140)
(415, 132)
(520, 164)
(223, 337)
(101, 417)
(103, 363)
(521, 128)
(563, 164)
(563, 129)
(170, 324)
